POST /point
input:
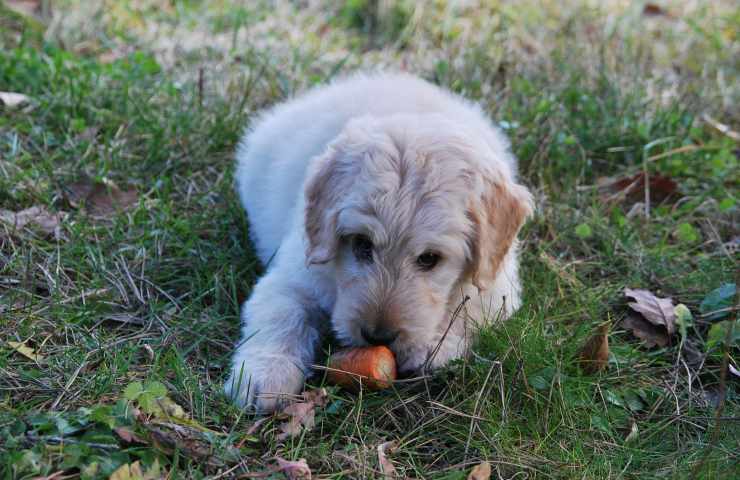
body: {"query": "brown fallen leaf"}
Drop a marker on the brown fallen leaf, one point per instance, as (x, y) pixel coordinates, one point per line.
(301, 415)
(387, 469)
(13, 99)
(318, 396)
(482, 471)
(133, 471)
(294, 470)
(26, 351)
(652, 9)
(128, 436)
(100, 199)
(631, 189)
(650, 334)
(658, 311)
(594, 355)
(47, 222)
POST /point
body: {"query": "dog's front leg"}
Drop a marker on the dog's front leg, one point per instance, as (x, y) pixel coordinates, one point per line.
(279, 339)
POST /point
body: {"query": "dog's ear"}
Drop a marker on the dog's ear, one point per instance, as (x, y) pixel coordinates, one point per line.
(323, 188)
(497, 217)
(329, 180)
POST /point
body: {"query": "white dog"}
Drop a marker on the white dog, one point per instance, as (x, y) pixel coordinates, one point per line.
(380, 204)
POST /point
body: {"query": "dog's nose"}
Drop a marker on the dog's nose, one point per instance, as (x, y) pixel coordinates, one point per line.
(379, 336)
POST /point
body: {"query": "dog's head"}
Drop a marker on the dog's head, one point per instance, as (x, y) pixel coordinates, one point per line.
(407, 209)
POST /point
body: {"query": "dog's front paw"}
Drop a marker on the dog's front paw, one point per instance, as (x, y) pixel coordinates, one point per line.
(264, 383)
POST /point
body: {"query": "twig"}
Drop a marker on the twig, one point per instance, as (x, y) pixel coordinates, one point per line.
(437, 348)
(721, 127)
(227, 472)
(684, 149)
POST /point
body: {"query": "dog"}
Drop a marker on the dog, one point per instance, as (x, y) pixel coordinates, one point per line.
(386, 210)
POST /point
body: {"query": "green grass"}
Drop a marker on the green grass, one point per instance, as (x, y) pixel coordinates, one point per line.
(582, 92)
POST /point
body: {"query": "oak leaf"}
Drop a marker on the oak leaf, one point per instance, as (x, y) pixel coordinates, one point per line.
(656, 310)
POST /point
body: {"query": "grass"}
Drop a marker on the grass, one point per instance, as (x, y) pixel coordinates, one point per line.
(152, 293)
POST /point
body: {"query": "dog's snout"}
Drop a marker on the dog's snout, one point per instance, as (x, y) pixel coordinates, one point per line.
(379, 336)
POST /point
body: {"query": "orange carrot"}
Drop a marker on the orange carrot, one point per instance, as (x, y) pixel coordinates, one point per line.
(374, 366)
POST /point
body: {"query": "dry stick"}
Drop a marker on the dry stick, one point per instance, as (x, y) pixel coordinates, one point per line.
(455, 314)
(721, 127)
(430, 358)
(684, 149)
(722, 390)
(227, 472)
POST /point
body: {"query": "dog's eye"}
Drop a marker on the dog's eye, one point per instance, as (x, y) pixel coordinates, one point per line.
(427, 261)
(362, 247)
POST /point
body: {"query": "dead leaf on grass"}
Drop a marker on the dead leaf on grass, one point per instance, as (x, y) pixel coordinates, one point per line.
(128, 436)
(650, 334)
(133, 471)
(656, 310)
(482, 471)
(26, 351)
(318, 396)
(631, 189)
(387, 469)
(13, 99)
(47, 222)
(654, 10)
(301, 415)
(100, 199)
(594, 355)
(294, 470)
